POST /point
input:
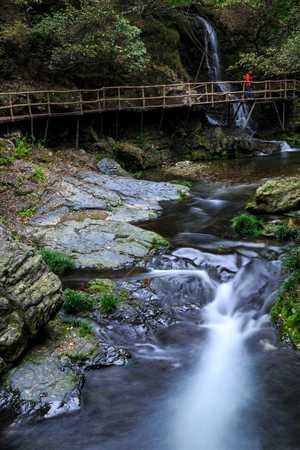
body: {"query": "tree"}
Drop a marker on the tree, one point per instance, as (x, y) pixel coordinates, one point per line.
(91, 42)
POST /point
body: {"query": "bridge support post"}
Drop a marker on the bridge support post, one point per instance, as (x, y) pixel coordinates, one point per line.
(32, 128)
(142, 124)
(77, 133)
(46, 130)
(249, 115)
(280, 120)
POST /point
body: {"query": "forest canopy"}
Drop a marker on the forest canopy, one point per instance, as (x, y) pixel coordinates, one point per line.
(92, 42)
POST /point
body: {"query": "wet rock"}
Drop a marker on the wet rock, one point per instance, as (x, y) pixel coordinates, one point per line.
(111, 167)
(102, 244)
(29, 296)
(277, 195)
(67, 219)
(49, 378)
(126, 199)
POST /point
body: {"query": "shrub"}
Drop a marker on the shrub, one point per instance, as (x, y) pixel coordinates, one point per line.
(109, 303)
(58, 262)
(291, 261)
(22, 148)
(282, 232)
(76, 301)
(247, 225)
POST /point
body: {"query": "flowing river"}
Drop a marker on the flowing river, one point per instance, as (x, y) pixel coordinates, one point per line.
(217, 378)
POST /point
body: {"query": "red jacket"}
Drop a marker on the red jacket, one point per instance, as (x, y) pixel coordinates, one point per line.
(248, 80)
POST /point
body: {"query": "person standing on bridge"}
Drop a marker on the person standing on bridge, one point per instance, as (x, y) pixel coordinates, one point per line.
(248, 83)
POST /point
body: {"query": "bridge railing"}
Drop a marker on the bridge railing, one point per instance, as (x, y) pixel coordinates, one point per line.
(21, 105)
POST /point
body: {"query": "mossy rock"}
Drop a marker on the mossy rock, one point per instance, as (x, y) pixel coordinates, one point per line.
(276, 196)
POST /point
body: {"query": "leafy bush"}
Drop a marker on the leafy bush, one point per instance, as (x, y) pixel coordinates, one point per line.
(109, 303)
(22, 148)
(58, 262)
(76, 301)
(90, 40)
(247, 225)
(291, 261)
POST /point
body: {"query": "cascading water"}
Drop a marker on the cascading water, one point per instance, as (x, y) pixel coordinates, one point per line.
(213, 406)
(213, 62)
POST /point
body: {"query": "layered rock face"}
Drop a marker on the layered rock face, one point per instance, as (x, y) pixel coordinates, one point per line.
(277, 195)
(29, 296)
(86, 216)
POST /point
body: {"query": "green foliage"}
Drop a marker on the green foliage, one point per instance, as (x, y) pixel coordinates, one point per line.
(58, 262)
(247, 225)
(85, 328)
(109, 302)
(100, 286)
(39, 175)
(286, 310)
(76, 301)
(89, 40)
(158, 242)
(22, 148)
(291, 261)
(282, 232)
(26, 213)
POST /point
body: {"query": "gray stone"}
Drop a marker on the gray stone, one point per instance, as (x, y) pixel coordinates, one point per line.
(92, 243)
(109, 166)
(29, 296)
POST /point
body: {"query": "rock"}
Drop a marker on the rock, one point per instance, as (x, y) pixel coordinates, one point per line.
(276, 196)
(85, 215)
(125, 199)
(111, 167)
(96, 244)
(29, 296)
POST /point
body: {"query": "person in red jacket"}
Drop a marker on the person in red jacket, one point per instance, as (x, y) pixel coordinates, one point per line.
(248, 83)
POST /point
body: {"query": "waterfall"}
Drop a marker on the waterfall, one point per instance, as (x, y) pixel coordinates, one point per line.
(212, 407)
(213, 62)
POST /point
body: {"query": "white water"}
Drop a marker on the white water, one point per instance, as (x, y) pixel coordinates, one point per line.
(212, 408)
(213, 62)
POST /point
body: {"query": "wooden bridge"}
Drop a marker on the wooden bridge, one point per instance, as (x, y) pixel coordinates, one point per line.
(19, 106)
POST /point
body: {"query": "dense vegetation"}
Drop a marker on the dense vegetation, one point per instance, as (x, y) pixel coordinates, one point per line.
(92, 42)
(286, 311)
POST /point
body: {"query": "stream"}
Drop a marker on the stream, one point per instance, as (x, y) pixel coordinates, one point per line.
(216, 378)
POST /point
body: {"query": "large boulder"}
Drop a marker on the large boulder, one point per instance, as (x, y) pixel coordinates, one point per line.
(29, 296)
(277, 195)
(96, 243)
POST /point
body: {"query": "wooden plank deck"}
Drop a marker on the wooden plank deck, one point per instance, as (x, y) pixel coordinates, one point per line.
(19, 106)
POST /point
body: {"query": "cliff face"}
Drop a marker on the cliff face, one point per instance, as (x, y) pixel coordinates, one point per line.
(29, 296)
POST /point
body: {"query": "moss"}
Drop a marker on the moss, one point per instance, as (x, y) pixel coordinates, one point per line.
(100, 286)
(159, 242)
(286, 311)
